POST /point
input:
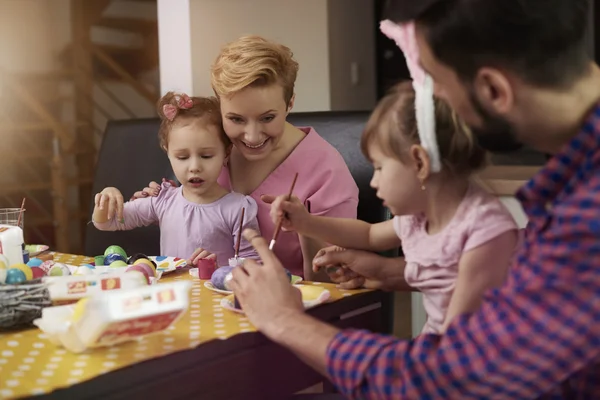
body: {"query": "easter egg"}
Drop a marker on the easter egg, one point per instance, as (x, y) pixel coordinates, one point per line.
(218, 277)
(109, 259)
(59, 269)
(143, 269)
(79, 309)
(99, 260)
(14, 276)
(136, 257)
(34, 262)
(26, 270)
(83, 270)
(147, 262)
(37, 272)
(4, 263)
(115, 250)
(46, 266)
(118, 264)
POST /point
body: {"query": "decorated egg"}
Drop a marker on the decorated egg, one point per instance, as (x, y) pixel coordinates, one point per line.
(143, 269)
(109, 259)
(37, 272)
(46, 266)
(99, 260)
(136, 257)
(4, 263)
(14, 276)
(59, 269)
(34, 262)
(118, 264)
(83, 270)
(226, 281)
(218, 277)
(115, 250)
(26, 270)
(145, 261)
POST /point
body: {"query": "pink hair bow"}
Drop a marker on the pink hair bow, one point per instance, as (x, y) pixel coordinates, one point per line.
(184, 102)
(405, 38)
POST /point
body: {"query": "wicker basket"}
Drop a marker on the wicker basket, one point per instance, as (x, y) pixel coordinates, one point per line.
(21, 304)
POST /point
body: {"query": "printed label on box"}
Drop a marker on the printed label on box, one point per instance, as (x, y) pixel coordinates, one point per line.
(111, 284)
(76, 287)
(136, 327)
(166, 296)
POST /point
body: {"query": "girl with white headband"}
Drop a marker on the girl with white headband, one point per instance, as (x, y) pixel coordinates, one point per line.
(457, 239)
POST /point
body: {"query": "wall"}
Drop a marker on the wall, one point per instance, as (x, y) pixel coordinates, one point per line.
(352, 71)
(299, 24)
(326, 36)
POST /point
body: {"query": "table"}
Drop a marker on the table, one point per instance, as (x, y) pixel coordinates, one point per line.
(210, 353)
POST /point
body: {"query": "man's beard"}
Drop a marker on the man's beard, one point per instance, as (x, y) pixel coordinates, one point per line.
(496, 134)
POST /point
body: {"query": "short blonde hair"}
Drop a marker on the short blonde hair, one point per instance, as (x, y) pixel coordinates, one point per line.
(393, 127)
(254, 61)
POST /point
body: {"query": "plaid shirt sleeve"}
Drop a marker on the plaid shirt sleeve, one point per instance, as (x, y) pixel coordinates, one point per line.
(541, 329)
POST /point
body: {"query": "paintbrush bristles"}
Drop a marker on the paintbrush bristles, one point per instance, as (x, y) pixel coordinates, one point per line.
(280, 220)
(239, 236)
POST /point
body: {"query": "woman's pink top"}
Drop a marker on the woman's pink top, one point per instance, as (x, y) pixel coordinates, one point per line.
(432, 260)
(324, 184)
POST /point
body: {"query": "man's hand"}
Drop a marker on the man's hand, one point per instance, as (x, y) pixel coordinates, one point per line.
(152, 190)
(357, 268)
(264, 291)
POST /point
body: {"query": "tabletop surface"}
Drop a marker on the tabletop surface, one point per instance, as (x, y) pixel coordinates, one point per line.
(31, 365)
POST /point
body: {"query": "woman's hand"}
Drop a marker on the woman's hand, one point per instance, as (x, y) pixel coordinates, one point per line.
(152, 190)
(108, 203)
(294, 216)
(200, 254)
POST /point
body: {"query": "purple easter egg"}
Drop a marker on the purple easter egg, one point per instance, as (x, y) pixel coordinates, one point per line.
(218, 277)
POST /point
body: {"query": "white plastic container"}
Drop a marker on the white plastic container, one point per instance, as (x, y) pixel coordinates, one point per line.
(71, 288)
(11, 243)
(109, 318)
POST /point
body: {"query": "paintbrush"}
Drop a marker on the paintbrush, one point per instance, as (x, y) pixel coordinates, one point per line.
(280, 221)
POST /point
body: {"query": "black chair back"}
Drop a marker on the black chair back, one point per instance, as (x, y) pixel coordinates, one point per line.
(130, 157)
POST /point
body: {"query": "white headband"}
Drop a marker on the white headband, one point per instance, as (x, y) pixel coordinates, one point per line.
(404, 36)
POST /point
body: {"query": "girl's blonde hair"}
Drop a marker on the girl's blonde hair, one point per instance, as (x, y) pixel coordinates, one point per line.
(254, 61)
(393, 127)
(205, 109)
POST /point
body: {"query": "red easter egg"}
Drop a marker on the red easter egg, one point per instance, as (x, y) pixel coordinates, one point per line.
(37, 272)
(144, 269)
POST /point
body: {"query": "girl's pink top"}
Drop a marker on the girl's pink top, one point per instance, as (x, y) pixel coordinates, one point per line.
(324, 184)
(432, 260)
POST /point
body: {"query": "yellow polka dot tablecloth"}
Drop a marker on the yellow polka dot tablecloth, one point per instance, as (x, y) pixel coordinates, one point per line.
(31, 365)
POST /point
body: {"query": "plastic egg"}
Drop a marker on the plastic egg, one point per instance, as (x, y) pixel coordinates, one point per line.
(83, 270)
(147, 262)
(136, 257)
(109, 259)
(114, 249)
(99, 261)
(59, 269)
(26, 270)
(46, 266)
(142, 269)
(34, 262)
(4, 263)
(37, 272)
(14, 276)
